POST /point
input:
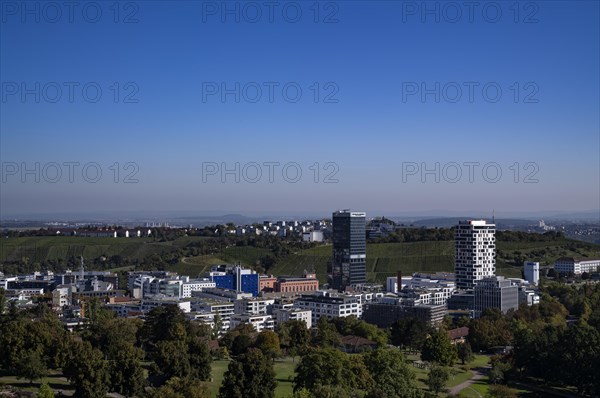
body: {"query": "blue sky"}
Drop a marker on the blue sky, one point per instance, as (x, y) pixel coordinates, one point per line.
(363, 57)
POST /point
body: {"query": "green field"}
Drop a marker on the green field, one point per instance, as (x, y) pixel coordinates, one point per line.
(383, 259)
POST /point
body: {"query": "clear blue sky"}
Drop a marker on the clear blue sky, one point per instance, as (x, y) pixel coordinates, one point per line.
(366, 59)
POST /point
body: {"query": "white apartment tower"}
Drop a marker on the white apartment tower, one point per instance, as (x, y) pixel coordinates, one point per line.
(475, 252)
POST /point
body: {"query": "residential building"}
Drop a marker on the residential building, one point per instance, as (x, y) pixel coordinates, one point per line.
(260, 322)
(253, 306)
(475, 252)
(348, 265)
(284, 315)
(312, 236)
(329, 305)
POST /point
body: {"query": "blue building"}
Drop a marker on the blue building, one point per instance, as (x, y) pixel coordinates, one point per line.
(235, 278)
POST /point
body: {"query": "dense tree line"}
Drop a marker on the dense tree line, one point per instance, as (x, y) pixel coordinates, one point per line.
(557, 341)
(106, 355)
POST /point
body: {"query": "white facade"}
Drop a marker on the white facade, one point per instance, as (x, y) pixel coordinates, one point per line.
(312, 236)
(259, 322)
(569, 265)
(195, 286)
(253, 306)
(532, 272)
(475, 252)
(282, 316)
(329, 306)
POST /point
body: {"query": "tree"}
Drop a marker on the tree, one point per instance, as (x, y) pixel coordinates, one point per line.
(87, 370)
(251, 375)
(465, 354)
(294, 336)
(30, 366)
(199, 358)
(391, 375)
(126, 372)
(268, 342)
(181, 388)
(45, 391)
(437, 379)
(409, 332)
(241, 344)
(500, 391)
(172, 359)
(325, 334)
(438, 348)
(329, 367)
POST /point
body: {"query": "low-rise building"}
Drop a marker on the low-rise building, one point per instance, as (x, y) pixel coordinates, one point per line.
(284, 315)
(576, 266)
(384, 312)
(329, 305)
(196, 285)
(259, 322)
(253, 306)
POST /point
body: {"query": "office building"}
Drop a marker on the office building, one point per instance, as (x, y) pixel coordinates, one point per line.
(235, 278)
(348, 265)
(570, 265)
(495, 292)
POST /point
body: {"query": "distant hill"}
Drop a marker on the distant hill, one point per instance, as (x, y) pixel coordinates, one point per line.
(383, 259)
(448, 222)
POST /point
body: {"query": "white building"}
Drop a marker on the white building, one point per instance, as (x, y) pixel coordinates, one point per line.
(312, 236)
(61, 297)
(332, 306)
(434, 291)
(532, 272)
(475, 252)
(259, 322)
(196, 286)
(282, 316)
(570, 265)
(254, 306)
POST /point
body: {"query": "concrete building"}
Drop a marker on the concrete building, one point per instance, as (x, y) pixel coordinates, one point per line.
(463, 300)
(576, 266)
(332, 306)
(259, 322)
(348, 265)
(495, 292)
(284, 315)
(195, 286)
(384, 312)
(313, 236)
(475, 252)
(532, 272)
(254, 306)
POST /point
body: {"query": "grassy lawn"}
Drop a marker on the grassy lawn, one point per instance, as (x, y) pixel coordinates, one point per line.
(284, 373)
(55, 380)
